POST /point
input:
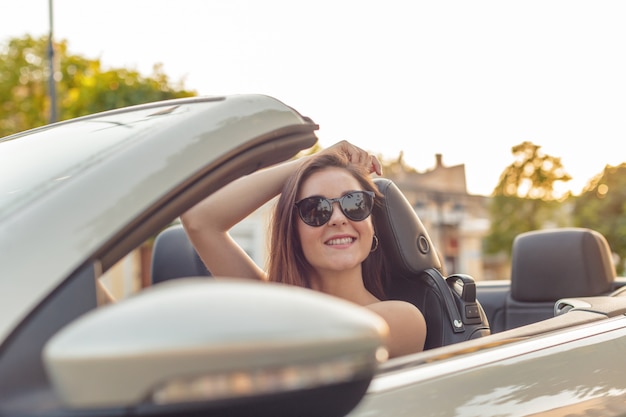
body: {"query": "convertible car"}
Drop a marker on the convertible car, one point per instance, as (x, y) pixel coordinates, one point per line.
(79, 198)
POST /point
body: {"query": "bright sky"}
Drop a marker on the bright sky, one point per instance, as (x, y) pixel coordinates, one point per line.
(467, 79)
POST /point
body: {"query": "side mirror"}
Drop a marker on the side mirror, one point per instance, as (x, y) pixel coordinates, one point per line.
(219, 346)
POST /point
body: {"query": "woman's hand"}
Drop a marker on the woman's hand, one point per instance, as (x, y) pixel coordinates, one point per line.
(357, 156)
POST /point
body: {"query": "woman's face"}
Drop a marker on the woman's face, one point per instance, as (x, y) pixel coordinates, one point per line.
(341, 244)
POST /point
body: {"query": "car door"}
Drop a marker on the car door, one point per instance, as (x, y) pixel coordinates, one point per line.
(575, 371)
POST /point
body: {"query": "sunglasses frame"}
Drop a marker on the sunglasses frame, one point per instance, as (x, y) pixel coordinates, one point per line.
(332, 202)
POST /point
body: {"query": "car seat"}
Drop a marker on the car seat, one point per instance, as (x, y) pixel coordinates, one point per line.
(173, 256)
(448, 304)
(551, 264)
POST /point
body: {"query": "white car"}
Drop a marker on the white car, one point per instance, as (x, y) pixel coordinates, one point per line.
(77, 197)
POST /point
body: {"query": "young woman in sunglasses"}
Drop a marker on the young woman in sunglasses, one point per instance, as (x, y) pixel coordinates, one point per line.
(322, 234)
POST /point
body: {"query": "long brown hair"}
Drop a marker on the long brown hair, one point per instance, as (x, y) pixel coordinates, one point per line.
(287, 263)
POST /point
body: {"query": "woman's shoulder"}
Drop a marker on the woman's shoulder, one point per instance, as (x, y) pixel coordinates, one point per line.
(407, 327)
(402, 309)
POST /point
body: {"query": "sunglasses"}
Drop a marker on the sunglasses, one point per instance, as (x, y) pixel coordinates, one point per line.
(316, 211)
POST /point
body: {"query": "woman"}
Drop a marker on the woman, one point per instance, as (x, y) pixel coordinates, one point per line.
(322, 234)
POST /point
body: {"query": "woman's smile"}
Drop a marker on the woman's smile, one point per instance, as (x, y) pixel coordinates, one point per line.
(342, 241)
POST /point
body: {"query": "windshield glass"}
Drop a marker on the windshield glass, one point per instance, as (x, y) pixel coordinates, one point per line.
(33, 164)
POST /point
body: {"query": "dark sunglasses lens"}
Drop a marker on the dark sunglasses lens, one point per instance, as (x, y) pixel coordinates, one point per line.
(357, 205)
(314, 211)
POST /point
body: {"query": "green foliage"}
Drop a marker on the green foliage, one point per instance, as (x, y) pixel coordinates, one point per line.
(602, 207)
(524, 198)
(22, 85)
(83, 86)
(532, 175)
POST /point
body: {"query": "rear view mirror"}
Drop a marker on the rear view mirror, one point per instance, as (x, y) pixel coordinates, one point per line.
(219, 345)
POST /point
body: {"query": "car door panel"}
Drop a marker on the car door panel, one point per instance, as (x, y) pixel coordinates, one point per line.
(563, 371)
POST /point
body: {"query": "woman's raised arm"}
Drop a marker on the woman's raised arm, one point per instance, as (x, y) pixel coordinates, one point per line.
(208, 222)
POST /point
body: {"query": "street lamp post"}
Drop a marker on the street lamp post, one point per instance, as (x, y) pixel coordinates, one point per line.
(51, 81)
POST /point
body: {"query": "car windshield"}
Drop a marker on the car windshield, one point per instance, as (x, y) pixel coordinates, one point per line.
(71, 191)
(33, 164)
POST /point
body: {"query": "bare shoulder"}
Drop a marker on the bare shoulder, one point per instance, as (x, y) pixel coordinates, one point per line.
(395, 306)
(407, 327)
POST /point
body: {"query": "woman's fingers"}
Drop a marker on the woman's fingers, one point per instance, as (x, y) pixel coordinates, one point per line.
(358, 156)
(376, 166)
(361, 157)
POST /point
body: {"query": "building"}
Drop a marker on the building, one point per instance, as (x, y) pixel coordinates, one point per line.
(455, 220)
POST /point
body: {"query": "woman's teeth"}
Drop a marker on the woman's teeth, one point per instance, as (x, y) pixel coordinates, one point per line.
(341, 241)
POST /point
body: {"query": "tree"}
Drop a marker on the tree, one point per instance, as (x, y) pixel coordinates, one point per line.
(524, 198)
(83, 85)
(602, 206)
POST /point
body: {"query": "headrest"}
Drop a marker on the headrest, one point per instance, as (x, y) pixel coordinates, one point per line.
(551, 264)
(402, 234)
(173, 256)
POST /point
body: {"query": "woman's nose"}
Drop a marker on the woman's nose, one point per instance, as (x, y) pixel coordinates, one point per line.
(337, 216)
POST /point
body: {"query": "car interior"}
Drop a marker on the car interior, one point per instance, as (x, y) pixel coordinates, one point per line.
(449, 304)
(173, 256)
(549, 265)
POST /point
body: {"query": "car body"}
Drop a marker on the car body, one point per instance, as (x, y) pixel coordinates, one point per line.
(77, 197)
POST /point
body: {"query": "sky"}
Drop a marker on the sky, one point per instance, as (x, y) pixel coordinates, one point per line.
(462, 78)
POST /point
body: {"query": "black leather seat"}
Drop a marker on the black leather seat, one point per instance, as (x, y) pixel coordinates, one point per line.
(173, 256)
(551, 264)
(449, 304)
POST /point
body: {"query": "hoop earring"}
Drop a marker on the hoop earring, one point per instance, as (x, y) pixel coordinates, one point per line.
(374, 244)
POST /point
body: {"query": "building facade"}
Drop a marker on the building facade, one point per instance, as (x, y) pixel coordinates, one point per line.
(456, 221)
